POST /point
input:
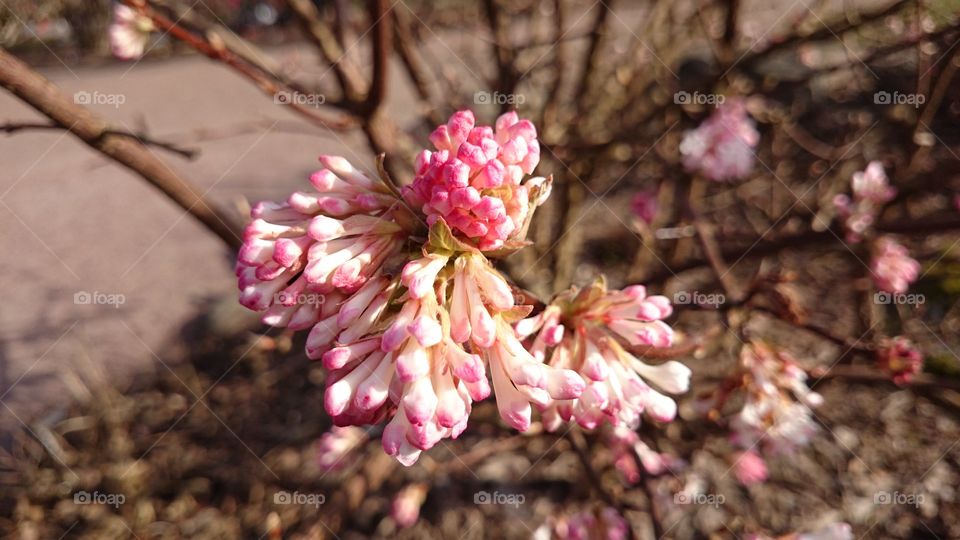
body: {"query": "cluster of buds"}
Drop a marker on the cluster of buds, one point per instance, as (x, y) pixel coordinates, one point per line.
(607, 524)
(129, 33)
(303, 258)
(777, 409)
(474, 178)
(871, 191)
(900, 358)
(892, 266)
(405, 311)
(721, 148)
(591, 331)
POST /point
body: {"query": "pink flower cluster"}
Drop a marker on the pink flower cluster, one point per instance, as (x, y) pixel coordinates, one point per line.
(589, 332)
(409, 339)
(474, 178)
(303, 258)
(777, 412)
(892, 266)
(871, 190)
(721, 148)
(585, 525)
(900, 358)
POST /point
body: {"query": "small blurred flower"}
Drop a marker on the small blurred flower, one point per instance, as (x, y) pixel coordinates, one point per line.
(722, 147)
(129, 33)
(892, 267)
(900, 358)
(588, 331)
(585, 525)
(627, 448)
(777, 412)
(644, 205)
(750, 468)
(871, 190)
(334, 446)
(405, 509)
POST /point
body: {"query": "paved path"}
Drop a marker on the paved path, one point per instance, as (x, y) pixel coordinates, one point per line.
(73, 223)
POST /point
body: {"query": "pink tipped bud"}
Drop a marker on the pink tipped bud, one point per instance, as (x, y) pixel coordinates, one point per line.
(426, 330)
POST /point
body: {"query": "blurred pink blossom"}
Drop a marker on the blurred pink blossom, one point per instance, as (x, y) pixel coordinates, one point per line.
(750, 468)
(777, 411)
(721, 148)
(129, 33)
(871, 190)
(336, 444)
(900, 358)
(627, 448)
(405, 508)
(644, 205)
(585, 525)
(892, 267)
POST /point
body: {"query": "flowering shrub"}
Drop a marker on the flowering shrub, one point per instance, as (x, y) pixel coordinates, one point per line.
(412, 339)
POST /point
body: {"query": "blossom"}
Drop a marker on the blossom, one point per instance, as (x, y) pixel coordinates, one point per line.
(721, 148)
(644, 205)
(406, 339)
(750, 468)
(627, 448)
(129, 32)
(302, 257)
(405, 508)
(892, 267)
(473, 179)
(871, 190)
(608, 524)
(336, 444)
(777, 410)
(589, 331)
(900, 358)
